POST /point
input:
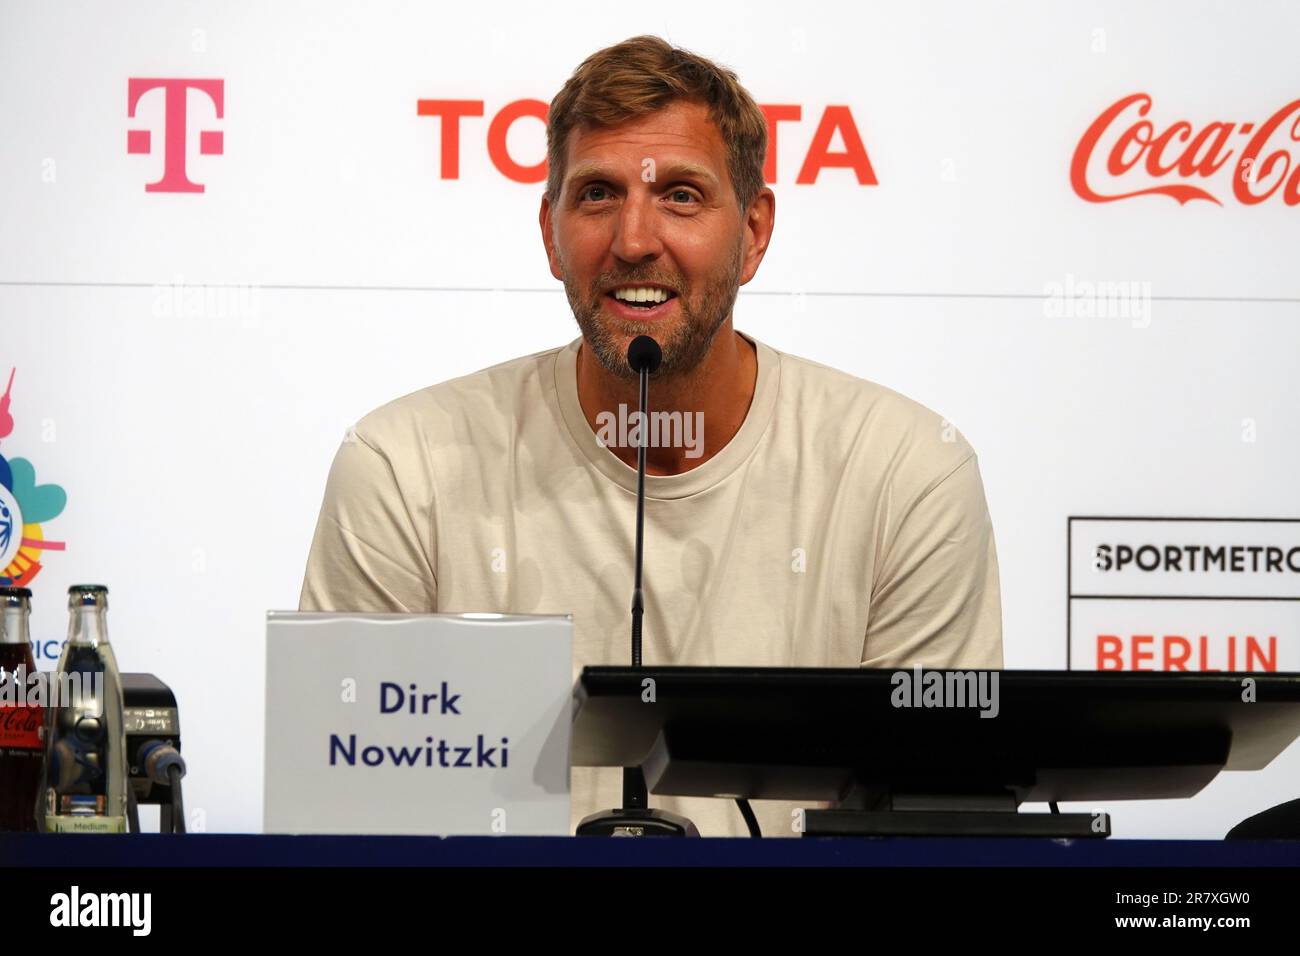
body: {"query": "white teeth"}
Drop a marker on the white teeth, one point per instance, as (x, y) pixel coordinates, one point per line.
(641, 294)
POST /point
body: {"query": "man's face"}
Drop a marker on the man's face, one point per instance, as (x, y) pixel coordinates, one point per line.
(649, 203)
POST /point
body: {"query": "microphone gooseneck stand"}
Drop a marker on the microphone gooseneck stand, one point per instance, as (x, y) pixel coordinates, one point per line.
(635, 818)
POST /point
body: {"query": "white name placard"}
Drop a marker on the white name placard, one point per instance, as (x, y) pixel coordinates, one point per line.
(417, 723)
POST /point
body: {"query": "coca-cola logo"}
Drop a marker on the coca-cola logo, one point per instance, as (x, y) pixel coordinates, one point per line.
(1122, 149)
(15, 719)
(21, 726)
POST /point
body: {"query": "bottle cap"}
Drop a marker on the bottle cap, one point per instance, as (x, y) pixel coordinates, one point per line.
(88, 595)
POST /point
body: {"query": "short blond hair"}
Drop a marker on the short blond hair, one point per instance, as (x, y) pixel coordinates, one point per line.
(645, 74)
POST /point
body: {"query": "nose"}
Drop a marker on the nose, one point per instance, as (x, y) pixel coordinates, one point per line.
(636, 233)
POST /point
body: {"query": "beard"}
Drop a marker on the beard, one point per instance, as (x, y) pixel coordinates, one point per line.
(684, 344)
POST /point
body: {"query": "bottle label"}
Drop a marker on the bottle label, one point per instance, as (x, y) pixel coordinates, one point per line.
(57, 823)
(21, 728)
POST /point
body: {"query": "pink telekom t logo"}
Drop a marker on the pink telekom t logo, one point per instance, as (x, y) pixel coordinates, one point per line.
(174, 179)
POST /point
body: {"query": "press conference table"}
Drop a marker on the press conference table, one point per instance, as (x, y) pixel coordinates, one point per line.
(257, 850)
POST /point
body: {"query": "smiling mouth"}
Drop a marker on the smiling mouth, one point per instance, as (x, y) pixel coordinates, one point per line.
(664, 295)
(642, 303)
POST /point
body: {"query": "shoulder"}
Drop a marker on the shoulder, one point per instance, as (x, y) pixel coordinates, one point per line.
(912, 446)
(463, 409)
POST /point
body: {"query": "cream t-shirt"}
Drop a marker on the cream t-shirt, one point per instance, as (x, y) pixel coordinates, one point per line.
(844, 524)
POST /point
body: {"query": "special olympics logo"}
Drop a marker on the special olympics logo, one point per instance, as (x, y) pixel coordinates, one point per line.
(24, 507)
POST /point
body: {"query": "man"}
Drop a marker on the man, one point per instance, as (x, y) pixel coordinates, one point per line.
(796, 516)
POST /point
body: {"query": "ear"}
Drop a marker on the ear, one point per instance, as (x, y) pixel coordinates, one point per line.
(548, 238)
(760, 219)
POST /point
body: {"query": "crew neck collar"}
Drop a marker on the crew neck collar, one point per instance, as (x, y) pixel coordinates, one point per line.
(700, 478)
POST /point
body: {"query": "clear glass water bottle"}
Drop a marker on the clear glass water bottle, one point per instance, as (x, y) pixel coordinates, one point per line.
(85, 779)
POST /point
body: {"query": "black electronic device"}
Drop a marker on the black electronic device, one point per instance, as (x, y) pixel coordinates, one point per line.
(151, 721)
(840, 735)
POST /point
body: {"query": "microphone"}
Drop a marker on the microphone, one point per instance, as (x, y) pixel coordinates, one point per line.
(644, 356)
(635, 818)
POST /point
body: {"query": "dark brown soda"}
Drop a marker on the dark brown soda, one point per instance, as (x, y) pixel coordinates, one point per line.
(22, 752)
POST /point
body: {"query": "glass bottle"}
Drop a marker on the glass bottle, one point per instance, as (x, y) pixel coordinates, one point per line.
(22, 748)
(85, 781)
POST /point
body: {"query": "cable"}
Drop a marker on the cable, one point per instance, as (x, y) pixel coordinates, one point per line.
(178, 805)
(132, 810)
(164, 766)
(1054, 807)
(747, 812)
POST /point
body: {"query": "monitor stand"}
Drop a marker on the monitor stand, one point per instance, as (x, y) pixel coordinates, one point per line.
(635, 818)
(874, 812)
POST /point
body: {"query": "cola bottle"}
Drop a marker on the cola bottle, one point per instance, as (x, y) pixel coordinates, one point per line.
(22, 751)
(85, 776)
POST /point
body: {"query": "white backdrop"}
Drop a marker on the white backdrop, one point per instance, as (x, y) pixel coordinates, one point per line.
(187, 363)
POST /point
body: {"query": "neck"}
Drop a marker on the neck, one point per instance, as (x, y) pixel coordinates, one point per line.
(716, 394)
